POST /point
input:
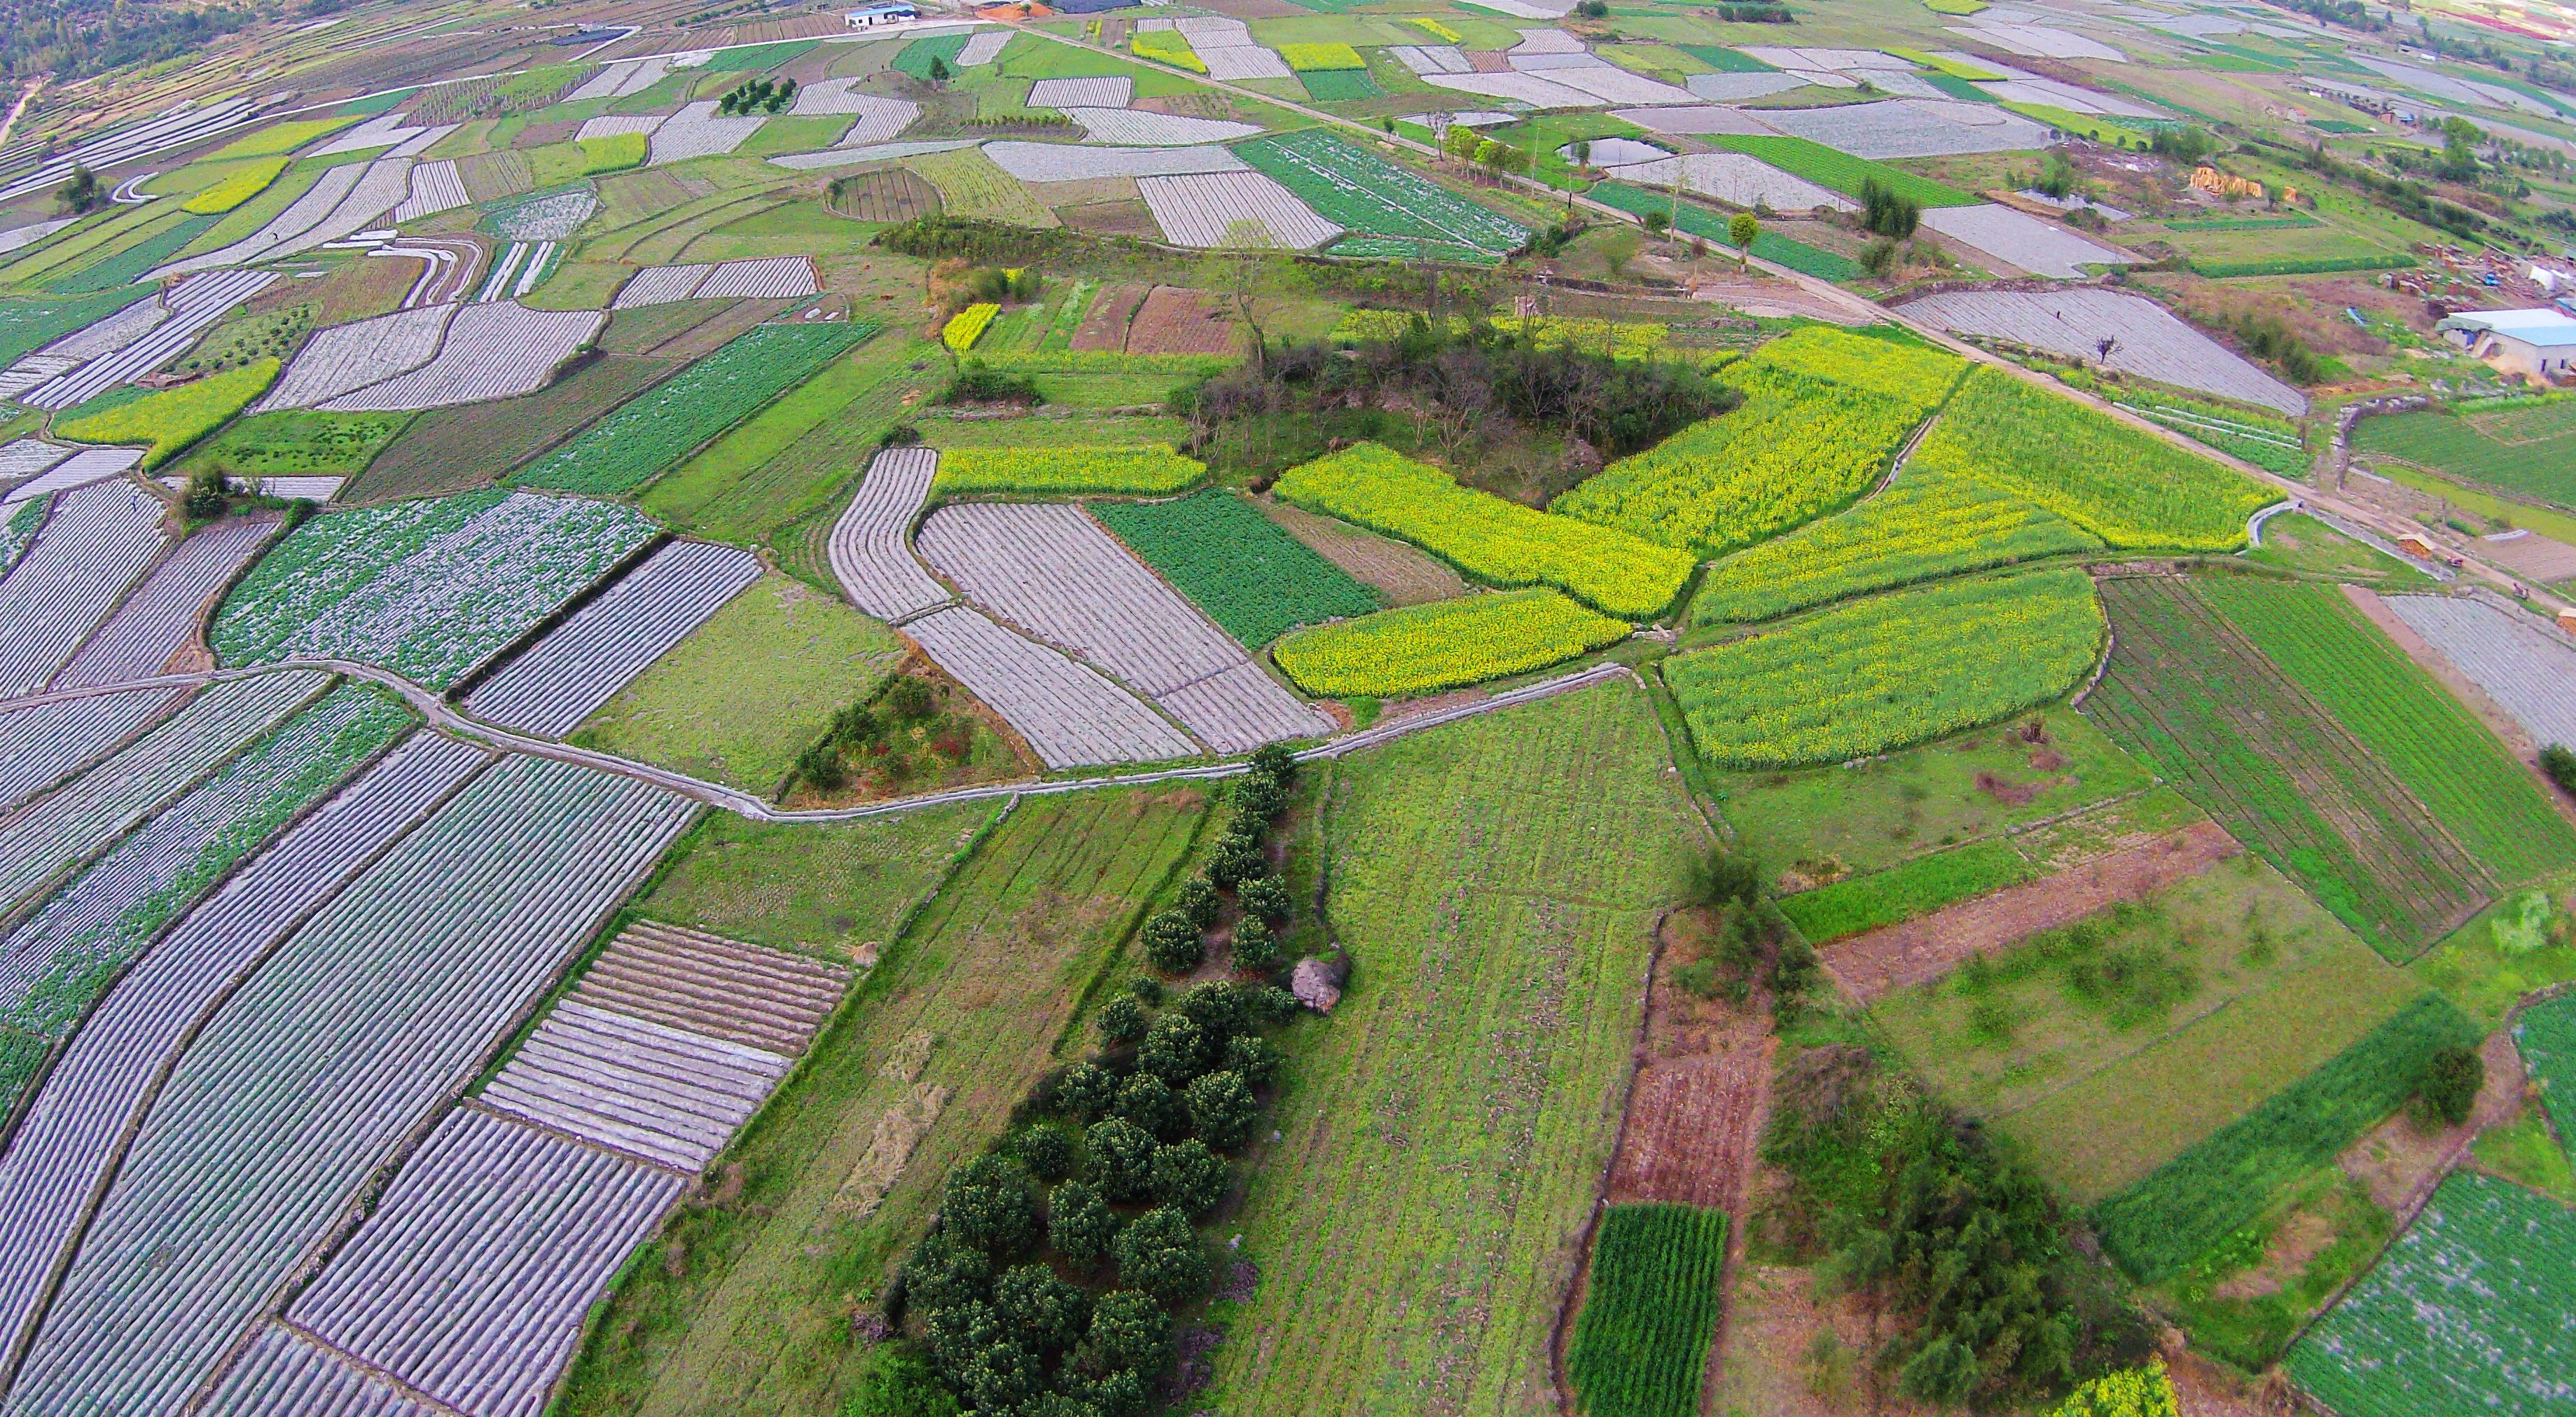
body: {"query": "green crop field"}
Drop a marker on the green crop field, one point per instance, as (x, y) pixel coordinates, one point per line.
(757, 684)
(2546, 1034)
(1445, 1134)
(1651, 1304)
(452, 449)
(1255, 580)
(2465, 1314)
(650, 434)
(298, 442)
(1840, 171)
(1889, 672)
(169, 421)
(1420, 649)
(2458, 769)
(1918, 887)
(26, 325)
(1823, 414)
(1388, 210)
(831, 889)
(2533, 455)
(1692, 219)
(2165, 1221)
(2222, 722)
(2130, 488)
(744, 1304)
(1925, 526)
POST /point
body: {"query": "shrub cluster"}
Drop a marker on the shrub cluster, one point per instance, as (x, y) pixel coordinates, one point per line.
(764, 95)
(905, 728)
(1176, 939)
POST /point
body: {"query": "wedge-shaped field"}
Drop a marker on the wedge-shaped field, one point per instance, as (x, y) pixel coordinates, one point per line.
(1386, 209)
(654, 431)
(2128, 487)
(2465, 1314)
(75, 1132)
(347, 358)
(560, 680)
(1443, 1142)
(1236, 564)
(76, 820)
(871, 546)
(1499, 542)
(41, 746)
(1420, 649)
(1824, 412)
(57, 963)
(92, 546)
(283, 1374)
(431, 590)
(1070, 714)
(1925, 526)
(161, 614)
(1889, 672)
(494, 350)
(2189, 693)
(2446, 758)
(2530, 673)
(339, 1047)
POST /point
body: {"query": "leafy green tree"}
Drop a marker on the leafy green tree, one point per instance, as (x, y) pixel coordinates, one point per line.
(2557, 761)
(1043, 1312)
(1150, 1103)
(1046, 1150)
(1267, 897)
(1253, 1059)
(1002, 1377)
(1121, 1021)
(1160, 1253)
(2449, 1090)
(942, 1274)
(1130, 1333)
(1222, 1110)
(897, 1383)
(1085, 1092)
(1115, 1394)
(1079, 1223)
(1122, 1157)
(1256, 946)
(1741, 229)
(1198, 901)
(959, 1333)
(1172, 942)
(1175, 1049)
(1221, 1008)
(986, 1205)
(1188, 1177)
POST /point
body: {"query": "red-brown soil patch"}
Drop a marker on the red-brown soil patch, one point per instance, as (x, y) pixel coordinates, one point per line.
(1871, 964)
(1105, 326)
(1177, 321)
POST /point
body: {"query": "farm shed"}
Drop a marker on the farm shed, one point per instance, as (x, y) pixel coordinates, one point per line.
(2538, 344)
(868, 15)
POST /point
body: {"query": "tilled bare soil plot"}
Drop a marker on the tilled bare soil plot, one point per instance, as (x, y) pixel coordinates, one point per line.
(1408, 576)
(1177, 321)
(1924, 949)
(1105, 327)
(452, 449)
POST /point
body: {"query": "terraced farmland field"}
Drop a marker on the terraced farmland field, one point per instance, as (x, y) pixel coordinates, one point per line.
(1445, 1136)
(2190, 694)
(2465, 1314)
(94, 543)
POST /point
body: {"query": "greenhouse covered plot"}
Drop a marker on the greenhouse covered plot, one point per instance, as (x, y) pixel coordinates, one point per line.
(196, 304)
(94, 544)
(339, 1047)
(2023, 241)
(1212, 209)
(82, 816)
(871, 547)
(1064, 162)
(2150, 341)
(1052, 570)
(1734, 179)
(1911, 128)
(768, 278)
(470, 1280)
(347, 358)
(697, 130)
(435, 187)
(429, 590)
(87, 466)
(582, 663)
(2530, 673)
(669, 1096)
(1133, 126)
(73, 1133)
(1070, 714)
(495, 349)
(1111, 91)
(41, 746)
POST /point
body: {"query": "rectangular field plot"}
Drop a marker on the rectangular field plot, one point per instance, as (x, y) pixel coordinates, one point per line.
(2148, 340)
(431, 590)
(347, 358)
(493, 350)
(2466, 1313)
(93, 544)
(2529, 673)
(723, 989)
(2530, 450)
(2224, 724)
(283, 1374)
(1233, 209)
(332, 1053)
(1503, 875)
(664, 1095)
(560, 680)
(470, 1280)
(1372, 198)
(75, 1129)
(1236, 564)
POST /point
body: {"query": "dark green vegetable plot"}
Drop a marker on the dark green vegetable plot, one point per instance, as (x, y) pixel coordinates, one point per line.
(1642, 1342)
(1255, 580)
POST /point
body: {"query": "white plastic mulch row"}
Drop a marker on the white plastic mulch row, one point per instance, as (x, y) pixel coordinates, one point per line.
(471, 1279)
(1223, 208)
(346, 358)
(1064, 162)
(1431, 58)
(1069, 713)
(81, 469)
(333, 1052)
(2528, 672)
(176, 126)
(583, 662)
(1053, 571)
(872, 152)
(96, 808)
(549, 218)
(671, 974)
(610, 125)
(497, 283)
(19, 238)
(72, 1132)
(195, 304)
(94, 544)
(983, 47)
(41, 746)
(300, 216)
(665, 1095)
(2148, 340)
(1532, 89)
(539, 266)
(435, 187)
(1226, 46)
(697, 130)
(284, 1374)
(622, 77)
(30, 371)
(107, 336)
(308, 487)
(1128, 125)
(2038, 41)
(871, 550)
(158, 618)
(660, 285)
(382, 131)
(840, 98)
(1736, 180)
(1911, 128)
(22, 458)
(2021, 240)
(493, 350)
(1107, 91)
(768, 278)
